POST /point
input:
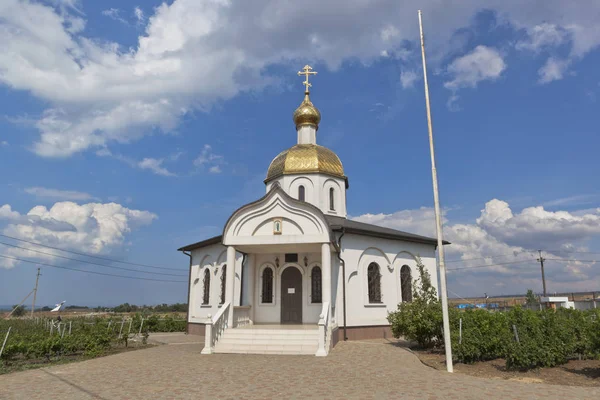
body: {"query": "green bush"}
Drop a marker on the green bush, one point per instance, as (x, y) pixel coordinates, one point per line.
(420, 320)
(485, 335)
(545, 338)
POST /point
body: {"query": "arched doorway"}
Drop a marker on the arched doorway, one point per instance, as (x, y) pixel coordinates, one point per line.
(291, 296)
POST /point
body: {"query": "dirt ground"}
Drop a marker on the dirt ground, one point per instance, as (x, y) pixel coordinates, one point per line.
(574, 373)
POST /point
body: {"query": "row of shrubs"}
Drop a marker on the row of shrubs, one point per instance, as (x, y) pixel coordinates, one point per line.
(526, 339)
(167, 324)
(33, 339)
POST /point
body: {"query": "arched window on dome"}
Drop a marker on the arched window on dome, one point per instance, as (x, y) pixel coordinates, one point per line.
(301, 193)
(374, 283)
(331, 199)
(206, 284)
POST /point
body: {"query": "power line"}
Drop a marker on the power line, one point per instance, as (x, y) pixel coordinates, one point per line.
(90, 262)
(561, 259)
(571, 251)
(92, 256)
(492, 265)
(89, 272)
(484, 258)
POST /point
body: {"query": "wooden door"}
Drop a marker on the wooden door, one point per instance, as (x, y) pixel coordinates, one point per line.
(291, 296)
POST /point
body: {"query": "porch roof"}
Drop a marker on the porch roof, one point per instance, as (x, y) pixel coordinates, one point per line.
(203, 243)
(361, 228)
(336, 224)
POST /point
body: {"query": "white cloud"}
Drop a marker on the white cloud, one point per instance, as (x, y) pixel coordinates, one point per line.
(543, 36)
(139, 14)
(176, 156)
(553, 70)
(389, 33)
(408, 78)
(420, 221)
(4, 143)
(42, 192)
(483, 63)
(500, 236)
(93, 228)
(114, 13)
(155, 165)
(151, 164)
(209, 159)
(535, 227)
(572, 200)
(194, 54)
(6, 212)
(452, 103)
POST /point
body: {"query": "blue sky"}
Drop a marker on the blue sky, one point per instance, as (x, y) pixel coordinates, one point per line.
(127, 134)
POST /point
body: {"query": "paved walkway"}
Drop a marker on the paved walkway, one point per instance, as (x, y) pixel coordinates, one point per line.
(355, 370)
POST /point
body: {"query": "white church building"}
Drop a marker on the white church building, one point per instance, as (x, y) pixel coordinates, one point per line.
(290, 274)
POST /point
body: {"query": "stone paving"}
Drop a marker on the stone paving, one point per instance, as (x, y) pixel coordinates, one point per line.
(353, 370)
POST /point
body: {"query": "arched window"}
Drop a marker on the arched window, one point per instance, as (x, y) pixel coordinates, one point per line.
(223, 277)
(206, 284)
(301, 193)
(374, 283)
(315, 285)
(267, 285)
(406, 284)
(331, 198)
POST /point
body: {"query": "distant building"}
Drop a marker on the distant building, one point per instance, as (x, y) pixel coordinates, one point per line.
(557, 302)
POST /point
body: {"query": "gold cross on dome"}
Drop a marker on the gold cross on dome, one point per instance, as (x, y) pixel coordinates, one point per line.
(306, 71)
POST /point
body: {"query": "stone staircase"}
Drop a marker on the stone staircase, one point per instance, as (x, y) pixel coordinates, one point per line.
(268, 341)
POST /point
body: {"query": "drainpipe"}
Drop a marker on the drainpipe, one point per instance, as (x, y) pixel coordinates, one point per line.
(241, 278)
(339, 252)
(187, 314)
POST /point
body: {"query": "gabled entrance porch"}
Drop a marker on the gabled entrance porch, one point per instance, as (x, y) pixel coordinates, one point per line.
(286, 304)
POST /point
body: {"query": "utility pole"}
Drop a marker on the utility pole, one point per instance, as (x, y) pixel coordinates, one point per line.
(438, 218)
(35, 291)
(541, 260)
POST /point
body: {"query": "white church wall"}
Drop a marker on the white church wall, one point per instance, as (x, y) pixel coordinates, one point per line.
(316, 190)
(358, 252)
(211, 258)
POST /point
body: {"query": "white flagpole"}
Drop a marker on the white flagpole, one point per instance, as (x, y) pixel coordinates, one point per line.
(438, 218)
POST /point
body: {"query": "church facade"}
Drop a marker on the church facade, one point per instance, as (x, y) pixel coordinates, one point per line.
(290, 272)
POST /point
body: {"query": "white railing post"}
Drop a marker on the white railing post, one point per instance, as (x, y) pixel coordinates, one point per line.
(323, 330)
(321, 350)
(207, 336)
(215, 326)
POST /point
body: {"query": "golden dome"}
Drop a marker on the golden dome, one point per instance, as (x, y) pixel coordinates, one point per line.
(307, 113)
(305, 158)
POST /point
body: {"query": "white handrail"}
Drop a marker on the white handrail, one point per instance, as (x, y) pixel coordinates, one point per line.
(219, 314)
(214, 328)
(323, 329)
